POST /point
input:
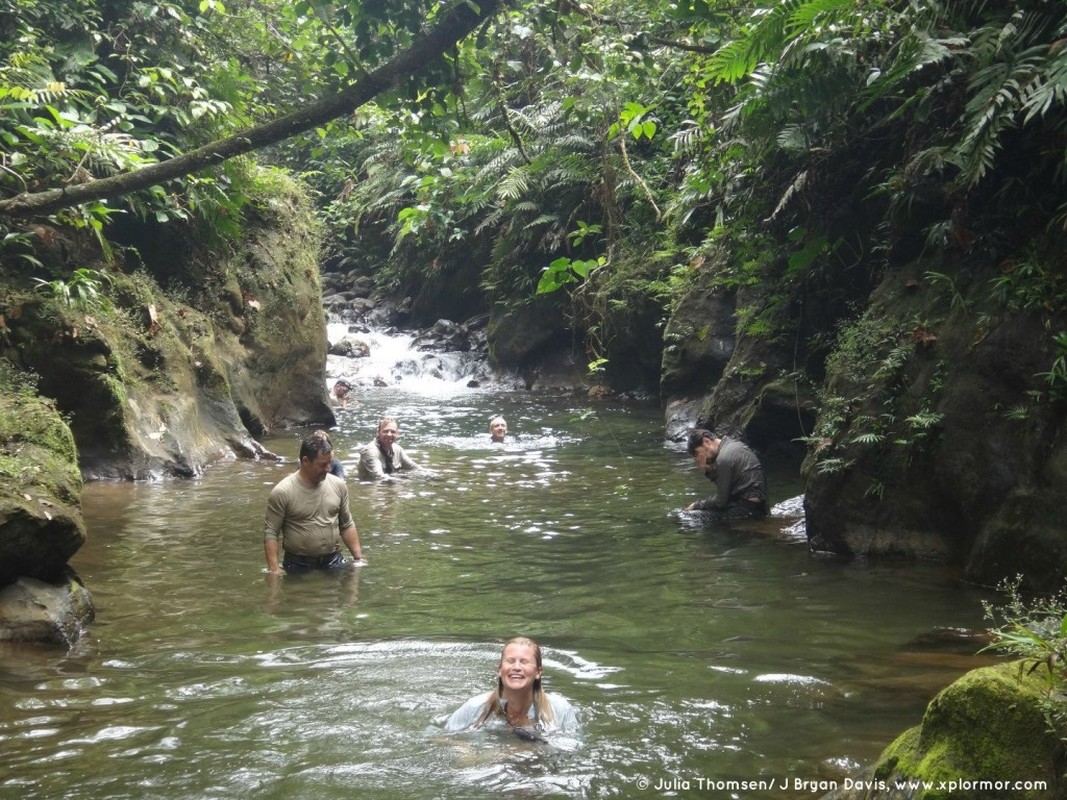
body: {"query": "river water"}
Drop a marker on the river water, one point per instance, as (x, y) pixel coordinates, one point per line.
(693, 655)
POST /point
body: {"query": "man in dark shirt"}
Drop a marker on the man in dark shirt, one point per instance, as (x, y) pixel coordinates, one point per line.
(740, 488)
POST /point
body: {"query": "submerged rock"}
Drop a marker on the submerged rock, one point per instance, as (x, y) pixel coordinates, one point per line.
(38, 611)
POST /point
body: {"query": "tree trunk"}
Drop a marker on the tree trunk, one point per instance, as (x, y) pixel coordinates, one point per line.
(452, 28)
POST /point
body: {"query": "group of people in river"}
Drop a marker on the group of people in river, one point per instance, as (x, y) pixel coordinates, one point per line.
(308, 520)
(308, 516)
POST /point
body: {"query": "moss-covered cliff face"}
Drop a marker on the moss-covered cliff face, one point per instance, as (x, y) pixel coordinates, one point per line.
(174, 353)
(189, 350)
(940, 433)
(734, 356)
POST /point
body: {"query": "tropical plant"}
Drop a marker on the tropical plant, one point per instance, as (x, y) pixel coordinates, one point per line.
(1034, 630)
(83, 290)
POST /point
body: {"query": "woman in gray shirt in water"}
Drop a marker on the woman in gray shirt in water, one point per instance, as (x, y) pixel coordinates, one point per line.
(518, 701)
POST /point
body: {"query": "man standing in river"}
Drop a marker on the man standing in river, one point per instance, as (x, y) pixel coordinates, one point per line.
(740, 488)
(308, 514)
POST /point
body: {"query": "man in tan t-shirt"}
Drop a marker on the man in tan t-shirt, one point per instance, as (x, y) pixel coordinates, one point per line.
(308, 514)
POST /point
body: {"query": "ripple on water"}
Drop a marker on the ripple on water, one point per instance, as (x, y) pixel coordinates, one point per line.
(203, 678)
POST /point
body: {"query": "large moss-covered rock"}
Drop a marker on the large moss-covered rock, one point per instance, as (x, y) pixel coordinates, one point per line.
(534, 341)
(40, 484)
(987, 735)
(699, 341)
(737, 378)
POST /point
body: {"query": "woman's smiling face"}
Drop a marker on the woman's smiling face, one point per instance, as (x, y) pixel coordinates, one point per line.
(518, 666)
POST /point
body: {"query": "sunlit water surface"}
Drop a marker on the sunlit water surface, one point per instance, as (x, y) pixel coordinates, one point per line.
(693, 654)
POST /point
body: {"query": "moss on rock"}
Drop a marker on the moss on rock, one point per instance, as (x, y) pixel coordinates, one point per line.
(989, 727)
(40, 484)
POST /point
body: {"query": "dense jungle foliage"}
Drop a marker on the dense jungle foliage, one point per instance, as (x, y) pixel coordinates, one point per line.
(602, 151)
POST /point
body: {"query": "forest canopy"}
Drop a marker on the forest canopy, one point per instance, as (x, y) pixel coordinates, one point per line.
(601, 148)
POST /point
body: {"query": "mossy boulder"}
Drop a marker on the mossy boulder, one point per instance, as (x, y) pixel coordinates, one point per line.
(982, 734)
(534, 341)
(40, 484)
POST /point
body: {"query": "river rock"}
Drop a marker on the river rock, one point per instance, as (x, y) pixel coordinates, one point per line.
(699, 341)
(40, 524)
(32, 610)
(444, 335)
(350, 347)
(990, 725)
(37, 536)
(520, 337)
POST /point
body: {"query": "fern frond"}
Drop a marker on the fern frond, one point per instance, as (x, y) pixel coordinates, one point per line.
(525, 205)
(1049, 88)
(791, 191)
(541, 221)
(687, 138)
(515, 184)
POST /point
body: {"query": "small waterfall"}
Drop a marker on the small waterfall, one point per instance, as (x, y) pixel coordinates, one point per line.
(420, 362)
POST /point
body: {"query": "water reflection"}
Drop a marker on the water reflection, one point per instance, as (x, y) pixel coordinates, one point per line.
(725, 652)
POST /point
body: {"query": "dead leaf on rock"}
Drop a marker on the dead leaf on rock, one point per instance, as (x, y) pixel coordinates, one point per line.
(921, 335)
(153, 321)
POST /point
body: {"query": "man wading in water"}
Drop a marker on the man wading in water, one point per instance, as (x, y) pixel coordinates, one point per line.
(308, 515)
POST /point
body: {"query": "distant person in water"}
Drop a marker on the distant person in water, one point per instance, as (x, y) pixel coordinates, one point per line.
(498, 429)
(740, 487)
(308, 515)
(383, 458)
(340, 392)
(518, 702)
(336, 467)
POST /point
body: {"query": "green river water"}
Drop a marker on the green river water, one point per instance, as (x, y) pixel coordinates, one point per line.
(693, 655)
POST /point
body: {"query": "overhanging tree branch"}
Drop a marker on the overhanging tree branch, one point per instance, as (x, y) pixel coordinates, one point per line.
(453, 27)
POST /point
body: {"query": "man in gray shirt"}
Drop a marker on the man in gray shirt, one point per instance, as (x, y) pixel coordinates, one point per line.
(308, 514)
(383, 458)
(740, 488)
